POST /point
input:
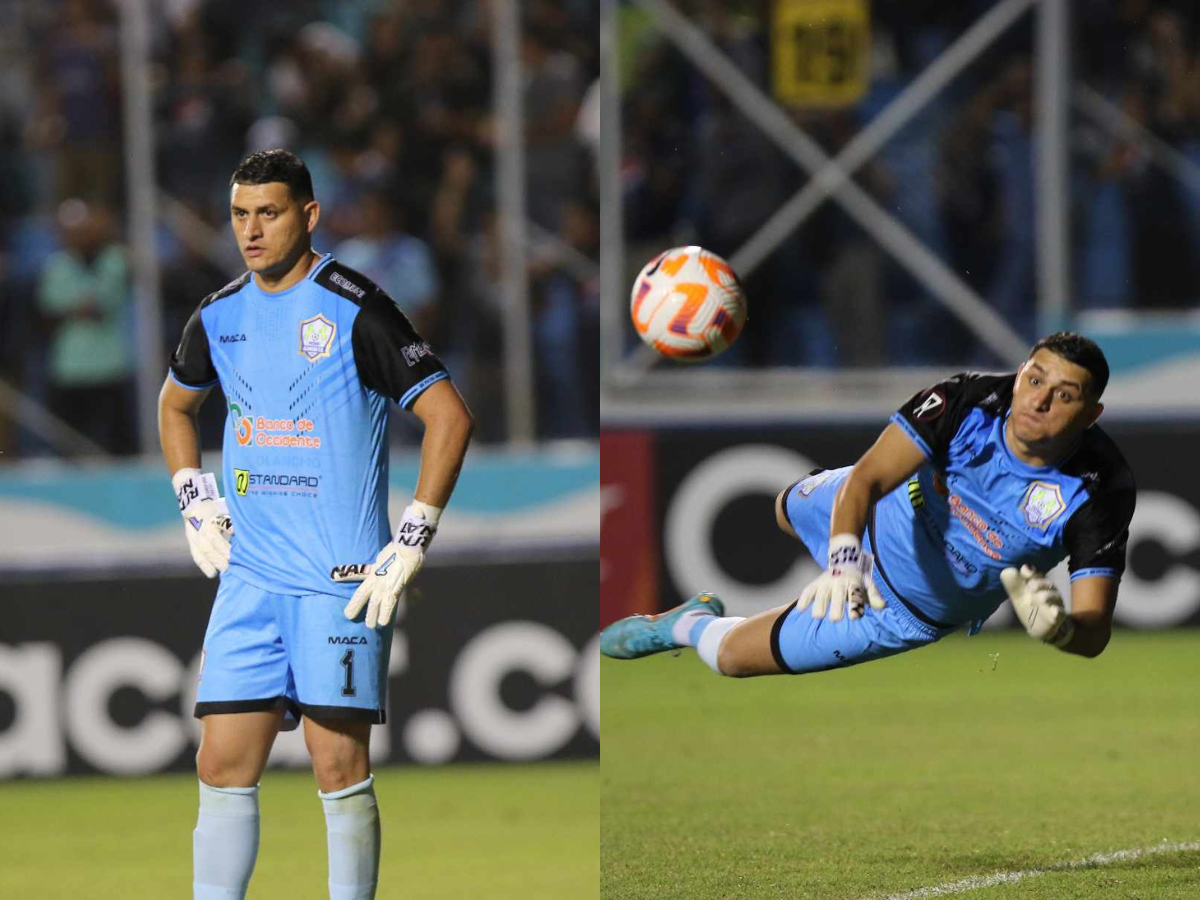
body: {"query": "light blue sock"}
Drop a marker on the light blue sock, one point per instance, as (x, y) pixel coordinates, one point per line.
(352, 827)
(225, 842)
(687, 629)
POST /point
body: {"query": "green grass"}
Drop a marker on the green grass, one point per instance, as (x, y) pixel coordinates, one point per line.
(973, 756)
(520, 832)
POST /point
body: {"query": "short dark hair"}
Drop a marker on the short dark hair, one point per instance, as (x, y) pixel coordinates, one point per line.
(1082, 351)
(266, 166)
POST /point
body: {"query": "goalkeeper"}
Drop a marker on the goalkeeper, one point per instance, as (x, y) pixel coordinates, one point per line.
(978, 486)
(309, 355)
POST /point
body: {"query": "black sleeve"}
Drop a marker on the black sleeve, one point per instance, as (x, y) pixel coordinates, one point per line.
(933, 416)
(391, 357)
(1097, 534)
(191, 363)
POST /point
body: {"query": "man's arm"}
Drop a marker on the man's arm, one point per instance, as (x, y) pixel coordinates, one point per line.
(207, 525)
(890, 462)
(846, 583)
(1093, 600)
(448, 426)
(178, 427)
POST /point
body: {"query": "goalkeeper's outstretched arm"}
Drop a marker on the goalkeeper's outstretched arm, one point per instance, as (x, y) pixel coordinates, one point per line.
(1093, 600)
(892, 460)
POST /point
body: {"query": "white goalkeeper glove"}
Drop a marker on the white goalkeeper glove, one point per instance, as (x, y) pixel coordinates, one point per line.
(1038, 605)
(205, 519)
(846, 585)
(395, 566)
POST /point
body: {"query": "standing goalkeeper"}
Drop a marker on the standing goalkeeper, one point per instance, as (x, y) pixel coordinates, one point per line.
(308, 354)
(977, 486)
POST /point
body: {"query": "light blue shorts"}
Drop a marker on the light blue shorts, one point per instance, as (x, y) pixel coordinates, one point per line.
(266, 651)
(801, 643)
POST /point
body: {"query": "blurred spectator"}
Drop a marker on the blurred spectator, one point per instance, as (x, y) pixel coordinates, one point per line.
(204, 109)
(83, 297)
(1163, 96)
(79, 114)
(554, 157)
(398, 262)
(563, 302)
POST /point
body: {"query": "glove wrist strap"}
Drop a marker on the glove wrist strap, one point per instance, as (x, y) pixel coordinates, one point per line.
(426, 511)
(1065, 632)
(191, 487)
(416, 529)
(845, 554)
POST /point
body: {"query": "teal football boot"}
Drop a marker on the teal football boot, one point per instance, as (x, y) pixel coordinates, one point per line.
(637, 636)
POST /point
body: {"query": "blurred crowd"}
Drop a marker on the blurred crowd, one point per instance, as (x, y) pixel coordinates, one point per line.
(959, 176)
(389, 102)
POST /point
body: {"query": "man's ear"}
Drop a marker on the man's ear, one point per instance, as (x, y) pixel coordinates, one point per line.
(312, 214)
(1096, 414)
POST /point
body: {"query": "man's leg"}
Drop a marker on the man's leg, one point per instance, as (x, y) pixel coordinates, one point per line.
(730, 645)
(233, 753)
(342, 766)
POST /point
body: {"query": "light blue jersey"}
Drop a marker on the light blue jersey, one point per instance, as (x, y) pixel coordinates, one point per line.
(973, 509)
(307, 374)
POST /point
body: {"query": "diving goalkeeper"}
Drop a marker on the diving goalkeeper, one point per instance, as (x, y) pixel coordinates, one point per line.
(309, 355)
(976, 488)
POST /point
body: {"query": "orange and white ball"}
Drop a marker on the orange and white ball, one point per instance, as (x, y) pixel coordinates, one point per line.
(688, 304)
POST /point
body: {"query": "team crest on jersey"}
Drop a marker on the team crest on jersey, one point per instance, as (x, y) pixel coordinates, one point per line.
(316, 337)
(1042, 504)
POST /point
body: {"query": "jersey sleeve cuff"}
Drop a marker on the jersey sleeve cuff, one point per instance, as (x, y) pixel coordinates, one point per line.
(906, 426)
(409, 397)
(191, 387)
(1093, 573)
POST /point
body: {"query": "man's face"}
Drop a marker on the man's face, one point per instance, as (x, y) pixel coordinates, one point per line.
(271, 227)
(1052, 401)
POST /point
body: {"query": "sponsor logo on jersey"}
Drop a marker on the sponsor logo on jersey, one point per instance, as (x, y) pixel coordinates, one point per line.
(1042, 504)
(353, 288)
(231, 338)
(939, 484)
(344, 639)
(275, 483)
(989, 542)
(243, 426)
(915, 496)
(931, 407)
(294, 434)
(412, 353)
(316, 337)
(349, 572)
(812, 482)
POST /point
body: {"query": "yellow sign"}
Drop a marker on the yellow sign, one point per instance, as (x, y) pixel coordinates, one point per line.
(820, 51)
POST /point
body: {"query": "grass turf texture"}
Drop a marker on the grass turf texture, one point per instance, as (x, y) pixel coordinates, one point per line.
(513, 832)
(968, 757)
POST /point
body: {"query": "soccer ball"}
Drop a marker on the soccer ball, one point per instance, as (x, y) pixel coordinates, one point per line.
(688, 304)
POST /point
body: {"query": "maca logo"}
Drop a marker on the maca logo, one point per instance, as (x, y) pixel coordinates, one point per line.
(342, 639)
(231, 338)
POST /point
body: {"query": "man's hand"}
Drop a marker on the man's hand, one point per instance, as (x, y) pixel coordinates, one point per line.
(205, 519)
(1039, 605)
(846, 584)
(395, 566)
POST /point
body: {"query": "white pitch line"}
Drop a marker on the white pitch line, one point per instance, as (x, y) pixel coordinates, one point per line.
(983, 881)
